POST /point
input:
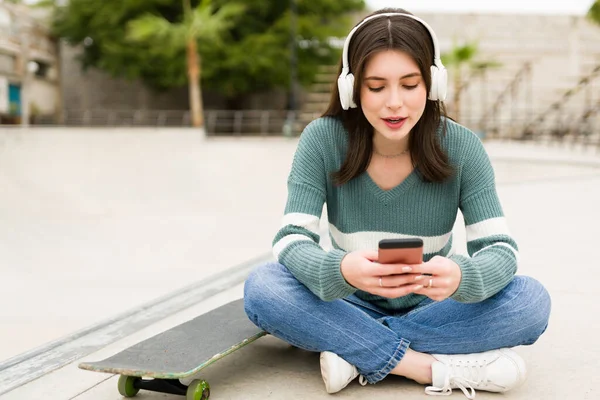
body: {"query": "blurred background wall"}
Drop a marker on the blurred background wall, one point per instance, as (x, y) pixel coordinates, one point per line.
(511, 75)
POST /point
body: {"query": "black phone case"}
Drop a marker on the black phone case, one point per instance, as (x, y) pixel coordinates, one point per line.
(410, 243)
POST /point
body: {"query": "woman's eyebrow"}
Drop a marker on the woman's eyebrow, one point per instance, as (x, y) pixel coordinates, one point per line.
(378, 78)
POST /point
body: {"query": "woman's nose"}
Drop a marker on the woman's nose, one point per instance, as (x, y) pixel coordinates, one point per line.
(394, 100)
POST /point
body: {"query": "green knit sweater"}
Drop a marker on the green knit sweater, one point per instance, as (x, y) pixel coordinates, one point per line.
(360, 214)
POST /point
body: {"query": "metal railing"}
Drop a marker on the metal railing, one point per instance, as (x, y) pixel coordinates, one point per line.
(507, 116)
(217, 122)
(252, 122)
(114, 118)
(562, 117)
(574, 118)
(510, 110)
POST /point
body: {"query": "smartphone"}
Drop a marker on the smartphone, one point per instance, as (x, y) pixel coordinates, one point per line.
(401, 251)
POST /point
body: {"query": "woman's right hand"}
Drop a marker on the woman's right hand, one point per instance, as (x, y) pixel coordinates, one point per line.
(361, 270)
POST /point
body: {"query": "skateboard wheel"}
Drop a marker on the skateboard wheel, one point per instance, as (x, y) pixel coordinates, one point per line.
(126, 386)
(198, 390)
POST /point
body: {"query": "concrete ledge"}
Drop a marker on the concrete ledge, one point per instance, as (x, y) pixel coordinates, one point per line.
(28, 366)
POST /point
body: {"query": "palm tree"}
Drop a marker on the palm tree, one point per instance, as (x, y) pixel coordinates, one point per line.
(594, 12)
(460, 60)
(200, 23)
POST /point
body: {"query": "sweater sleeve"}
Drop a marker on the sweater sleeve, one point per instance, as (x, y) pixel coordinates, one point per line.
(296, 244)
(493, 252)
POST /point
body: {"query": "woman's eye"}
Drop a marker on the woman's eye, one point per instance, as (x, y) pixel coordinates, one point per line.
(378, 89)
(409, 87)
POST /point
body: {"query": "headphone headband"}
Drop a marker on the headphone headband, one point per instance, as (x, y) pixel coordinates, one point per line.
(437, 60)
(439, 75)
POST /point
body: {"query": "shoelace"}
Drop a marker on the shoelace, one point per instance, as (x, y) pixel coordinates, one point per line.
(362, 380)
(456, 376)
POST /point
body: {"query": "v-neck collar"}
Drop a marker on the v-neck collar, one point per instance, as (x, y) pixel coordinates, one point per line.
(386, 195)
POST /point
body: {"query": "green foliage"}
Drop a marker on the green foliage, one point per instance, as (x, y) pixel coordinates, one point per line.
(240, 53)
(460, 59)
(201, 23)
(459, 55)
(466, 56)
(594, 12)
(479, 66)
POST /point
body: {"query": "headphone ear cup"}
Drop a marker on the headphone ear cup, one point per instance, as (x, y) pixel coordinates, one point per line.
(442, 83)
(439, 83)
(346, 89)
(433, 92)
(350, 88)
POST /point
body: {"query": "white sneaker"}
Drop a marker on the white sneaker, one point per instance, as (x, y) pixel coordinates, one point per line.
(492, 371)
(337, 373)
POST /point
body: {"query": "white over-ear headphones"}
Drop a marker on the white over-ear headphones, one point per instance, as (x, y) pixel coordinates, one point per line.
(439, 75)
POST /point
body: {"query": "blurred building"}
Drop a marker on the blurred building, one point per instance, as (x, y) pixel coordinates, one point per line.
(29, 84)
(547, 75)
(546, 78)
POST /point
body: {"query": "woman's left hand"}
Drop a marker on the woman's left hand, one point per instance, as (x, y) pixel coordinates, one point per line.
(444, 280)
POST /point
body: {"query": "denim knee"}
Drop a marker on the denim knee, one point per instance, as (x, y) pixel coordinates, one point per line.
(259, 296)
(536, 307)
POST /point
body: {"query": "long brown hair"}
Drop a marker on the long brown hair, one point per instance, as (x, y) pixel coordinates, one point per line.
(409, 36)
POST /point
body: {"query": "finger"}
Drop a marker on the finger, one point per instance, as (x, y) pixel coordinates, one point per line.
(392, 293)
(371, 255)
(399, 280)
(426, 268)
(392, 269)
(433, 281)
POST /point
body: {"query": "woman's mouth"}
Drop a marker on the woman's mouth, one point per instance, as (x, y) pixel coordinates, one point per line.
(395, 122)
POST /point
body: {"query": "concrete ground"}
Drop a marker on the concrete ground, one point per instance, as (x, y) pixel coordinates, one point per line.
(94, 223)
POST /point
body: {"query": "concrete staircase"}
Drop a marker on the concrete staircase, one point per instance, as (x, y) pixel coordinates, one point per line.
(542, 57)
(317, 96)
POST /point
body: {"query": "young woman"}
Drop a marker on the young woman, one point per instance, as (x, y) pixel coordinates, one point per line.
(388, 165)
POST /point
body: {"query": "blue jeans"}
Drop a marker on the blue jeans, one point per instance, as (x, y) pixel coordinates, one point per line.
(374, 340)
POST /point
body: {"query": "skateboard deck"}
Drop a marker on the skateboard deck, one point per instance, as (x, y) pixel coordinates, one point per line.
(181, 352)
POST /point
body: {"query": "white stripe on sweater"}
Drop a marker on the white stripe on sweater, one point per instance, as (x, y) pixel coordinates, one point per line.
(515, 252)
(286, 241)
(489, 227)
(306, 221)
(370, 240)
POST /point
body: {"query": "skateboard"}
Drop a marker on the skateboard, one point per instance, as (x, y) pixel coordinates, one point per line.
(157, 364)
